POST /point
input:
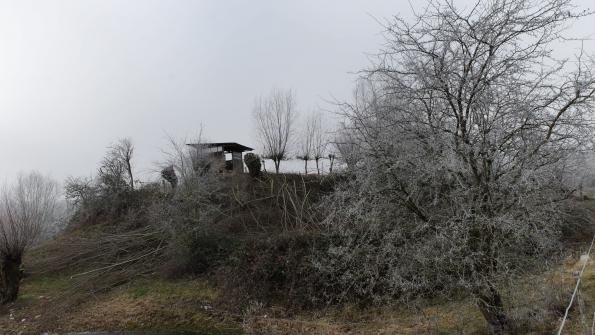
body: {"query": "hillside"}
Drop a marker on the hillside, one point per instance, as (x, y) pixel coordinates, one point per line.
(109, 271)
(47, 304)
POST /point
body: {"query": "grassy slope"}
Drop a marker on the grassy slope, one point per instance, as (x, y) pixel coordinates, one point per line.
(48, 304)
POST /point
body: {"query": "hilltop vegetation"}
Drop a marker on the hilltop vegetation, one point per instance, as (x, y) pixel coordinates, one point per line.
(121, 270)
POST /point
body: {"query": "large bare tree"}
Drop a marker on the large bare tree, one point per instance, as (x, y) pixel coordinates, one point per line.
(26, 208)
(467, 126)
(275, 116)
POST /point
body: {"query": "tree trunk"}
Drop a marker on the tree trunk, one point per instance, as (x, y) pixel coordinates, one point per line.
(277, 163)
(305, 166)
(129, 168)
(10, 278)
(317, 168)
(492, 309)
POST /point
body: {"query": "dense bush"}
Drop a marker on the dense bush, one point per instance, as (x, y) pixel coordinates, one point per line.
(197, 253)
(95, 204)
(277, 268)
(253, 163)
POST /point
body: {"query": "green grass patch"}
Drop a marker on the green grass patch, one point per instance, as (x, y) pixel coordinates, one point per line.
(43, 286)
(195, 289)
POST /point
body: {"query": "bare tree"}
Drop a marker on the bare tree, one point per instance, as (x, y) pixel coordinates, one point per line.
(124, 150)
(321, 140)
(115, 172)
(26, 208)
(112, 174)
(331, 158)
(465, 128)
(275, 117)
(79, 191)
(306, 142)
(346, 147)
(187, 157)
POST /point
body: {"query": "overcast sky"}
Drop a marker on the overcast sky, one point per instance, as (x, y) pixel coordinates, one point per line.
(77, 75)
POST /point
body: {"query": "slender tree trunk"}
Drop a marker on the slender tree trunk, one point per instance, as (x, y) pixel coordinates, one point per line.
(10, 278)
(129, 168)
(317, 168)
(277, 163)
(491, 307)
(305, 166)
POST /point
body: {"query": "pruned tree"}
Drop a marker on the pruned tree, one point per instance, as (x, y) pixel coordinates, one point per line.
(307, 140)
(275, 116)
(27, 207)
(465, 128)
(320, 140)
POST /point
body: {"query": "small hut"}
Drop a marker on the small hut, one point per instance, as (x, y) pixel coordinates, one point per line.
(216, 156)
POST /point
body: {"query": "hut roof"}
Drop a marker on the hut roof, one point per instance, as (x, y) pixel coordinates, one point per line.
(227, 146)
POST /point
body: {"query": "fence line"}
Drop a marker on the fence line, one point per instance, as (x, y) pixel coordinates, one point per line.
(576, 287)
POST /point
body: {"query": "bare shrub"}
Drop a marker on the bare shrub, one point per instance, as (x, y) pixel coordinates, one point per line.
(188, 217)
(277, 203)
(93, 203)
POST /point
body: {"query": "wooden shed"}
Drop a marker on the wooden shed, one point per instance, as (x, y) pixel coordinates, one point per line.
(216, 156)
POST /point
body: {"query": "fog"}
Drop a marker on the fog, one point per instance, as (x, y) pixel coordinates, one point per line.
(77, 75)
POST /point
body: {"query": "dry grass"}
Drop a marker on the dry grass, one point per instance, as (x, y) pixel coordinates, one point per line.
(45, 305)
(575, 323)
(457, 317)
(448, 318)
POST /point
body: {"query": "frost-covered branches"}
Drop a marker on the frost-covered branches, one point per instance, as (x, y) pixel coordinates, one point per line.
(27, 208)
(466, 128)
